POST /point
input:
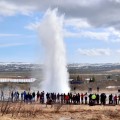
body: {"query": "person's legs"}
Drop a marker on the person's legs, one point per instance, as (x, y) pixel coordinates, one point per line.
(118, 101)
(82, 100)
(85, 100)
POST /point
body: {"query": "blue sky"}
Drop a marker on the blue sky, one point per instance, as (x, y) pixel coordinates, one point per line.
(91, 30)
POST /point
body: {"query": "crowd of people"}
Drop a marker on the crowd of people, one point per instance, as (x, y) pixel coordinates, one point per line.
(86, 98)
(70, 98)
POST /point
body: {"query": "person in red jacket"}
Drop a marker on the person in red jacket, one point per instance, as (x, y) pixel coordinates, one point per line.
(66, 99)
(115, 99)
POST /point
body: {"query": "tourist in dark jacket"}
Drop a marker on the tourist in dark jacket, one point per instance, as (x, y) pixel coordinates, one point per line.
(97, 98)
(103, 98)
(110, 99)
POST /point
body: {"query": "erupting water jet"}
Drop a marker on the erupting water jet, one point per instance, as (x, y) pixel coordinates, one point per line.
(55, 71)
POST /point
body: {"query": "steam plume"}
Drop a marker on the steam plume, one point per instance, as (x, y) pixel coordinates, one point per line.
(55, 71)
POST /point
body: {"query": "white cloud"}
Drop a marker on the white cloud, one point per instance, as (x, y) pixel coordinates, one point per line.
(91, 15)
(76, 23)
(103, 36)
(10, 9)
(74, 28)
(115, 40)
(99, 13)
(118, 51)
(11, 45)
(115, 1)
(95, 52)
(16, 35)
(33, 26)
(110, 34)
(9, 35)
(96, 35)
(113, 31)
(114, 35)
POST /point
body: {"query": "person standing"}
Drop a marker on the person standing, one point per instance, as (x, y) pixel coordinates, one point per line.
(66, 99)
(78, 98)
(97, 98)
(90, 98)
(33, 96)
(58, 97)
(2, 95)
(62, 98)
(118, 98)
(24, 93)
(110, 99)
(82, 98)
(98, 89)
(17, 95)
(93, 99)
(38, 96)
(71, 96)
(86, 98)
(103, 98)
(55, 97)
(115, 99)
(22, 96)
(12, 95)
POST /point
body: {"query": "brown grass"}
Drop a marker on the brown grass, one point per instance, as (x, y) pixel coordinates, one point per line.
(21, 111)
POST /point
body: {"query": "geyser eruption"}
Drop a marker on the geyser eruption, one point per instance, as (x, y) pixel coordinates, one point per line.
(55, 71)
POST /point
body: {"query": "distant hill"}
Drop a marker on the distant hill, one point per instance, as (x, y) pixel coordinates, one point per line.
(75, 68)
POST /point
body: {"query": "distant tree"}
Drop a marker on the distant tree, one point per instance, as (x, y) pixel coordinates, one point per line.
(92, 79)
(78, 78)
(108, 77)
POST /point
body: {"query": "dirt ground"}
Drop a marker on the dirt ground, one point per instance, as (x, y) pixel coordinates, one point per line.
(64, 112)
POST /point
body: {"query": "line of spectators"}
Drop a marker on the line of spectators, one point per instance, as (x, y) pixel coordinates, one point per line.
(69, 98)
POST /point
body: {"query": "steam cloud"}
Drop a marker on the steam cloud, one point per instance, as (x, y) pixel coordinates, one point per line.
(55, 71)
